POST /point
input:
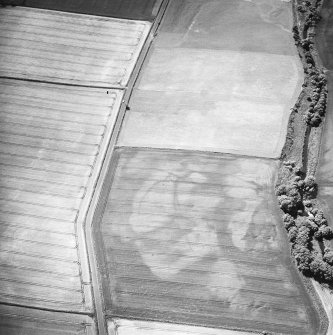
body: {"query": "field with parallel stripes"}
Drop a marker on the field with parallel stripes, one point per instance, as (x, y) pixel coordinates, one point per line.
(68, 48)
(50, 139)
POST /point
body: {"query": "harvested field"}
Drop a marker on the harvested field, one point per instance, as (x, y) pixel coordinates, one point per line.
(193, 238)
(52, 140)
(68, 48)
(203, 92)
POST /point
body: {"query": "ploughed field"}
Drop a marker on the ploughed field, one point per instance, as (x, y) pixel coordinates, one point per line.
(193, 238)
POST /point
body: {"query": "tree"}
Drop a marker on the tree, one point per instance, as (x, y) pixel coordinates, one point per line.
(328, 256)
(292, 234)
(310, 188)
(324, 232)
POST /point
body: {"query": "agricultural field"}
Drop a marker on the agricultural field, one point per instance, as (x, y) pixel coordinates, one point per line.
(194, 238)
(16, 320)
(213, 84)
(68, 48)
